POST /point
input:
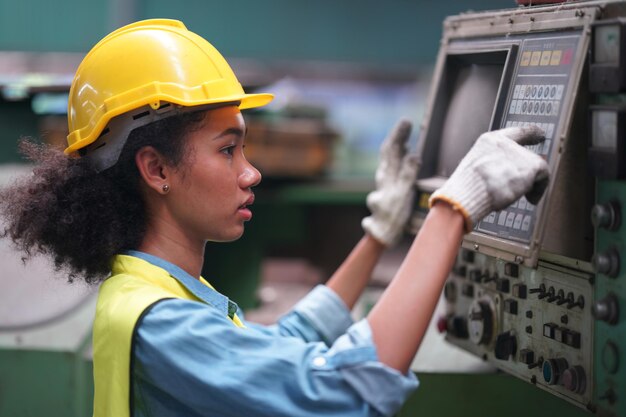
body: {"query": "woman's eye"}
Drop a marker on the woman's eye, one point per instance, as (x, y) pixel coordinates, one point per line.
(229, 150)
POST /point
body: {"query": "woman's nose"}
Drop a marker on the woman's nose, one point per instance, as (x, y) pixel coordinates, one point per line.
(249, 177)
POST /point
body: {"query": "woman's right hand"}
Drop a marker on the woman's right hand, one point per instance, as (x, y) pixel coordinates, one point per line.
(496, 171)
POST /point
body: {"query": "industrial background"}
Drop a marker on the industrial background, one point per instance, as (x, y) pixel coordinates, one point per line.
(342, 71)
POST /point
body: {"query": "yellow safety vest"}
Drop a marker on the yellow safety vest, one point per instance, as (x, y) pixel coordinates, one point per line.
(134, 286)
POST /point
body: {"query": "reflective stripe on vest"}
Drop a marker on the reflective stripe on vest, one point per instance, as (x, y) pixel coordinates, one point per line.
(134, 286)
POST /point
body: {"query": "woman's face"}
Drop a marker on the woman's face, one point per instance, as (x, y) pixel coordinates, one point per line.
(210, 193)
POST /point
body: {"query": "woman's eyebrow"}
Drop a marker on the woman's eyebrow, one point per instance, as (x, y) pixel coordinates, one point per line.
(231, 131)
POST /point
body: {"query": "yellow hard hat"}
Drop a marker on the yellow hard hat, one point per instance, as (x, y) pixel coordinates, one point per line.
(148, 63)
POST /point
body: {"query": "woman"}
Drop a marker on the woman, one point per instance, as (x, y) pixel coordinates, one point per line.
(155, 168)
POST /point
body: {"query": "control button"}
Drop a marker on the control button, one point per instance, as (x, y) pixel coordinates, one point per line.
(491, 218)
(580, 302)
(511, 269)
(558, 333)
(510, 306)
(607, 263)
(476, 275)
(522, 203)
(509, 219)
(453, 325)
(610, 357)
(442, 324)
(512, 107)
(502, 285)
(467, 256)
(480, 322)
(607, 215)
(524, 106)
(553, 91)
(548, 330)
(506, 345)
(559, 91)
(539, 362)
(519, 291)
(574, 379)
(457, 327)
(540, 92)
(460, 270)
(526, 356)
(518, 109)
(551, 294)
(526, 223)
(467, 290)
(528, 91)
(553, 369)
(534, 92)
(529, 329)
(606, 309)
(560, 298)
(529, 314)
(516, 91)
(517, 224)
(502, 218)
(571, 338)
(536, 107)
(546, 91)
(549, 108)
(449, 291)
(542, 109)
(564, 319)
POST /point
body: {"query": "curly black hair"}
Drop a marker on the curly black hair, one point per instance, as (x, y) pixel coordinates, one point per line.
(82, 218)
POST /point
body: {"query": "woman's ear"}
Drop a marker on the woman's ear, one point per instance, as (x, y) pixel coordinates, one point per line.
(153, 169)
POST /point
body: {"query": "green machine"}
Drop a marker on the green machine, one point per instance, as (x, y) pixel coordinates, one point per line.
(45, 335)
(538, 291)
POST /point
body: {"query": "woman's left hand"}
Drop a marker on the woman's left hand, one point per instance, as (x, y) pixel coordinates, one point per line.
(392, 201)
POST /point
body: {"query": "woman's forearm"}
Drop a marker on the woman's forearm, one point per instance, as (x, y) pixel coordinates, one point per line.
(400, 318)
(352, 277)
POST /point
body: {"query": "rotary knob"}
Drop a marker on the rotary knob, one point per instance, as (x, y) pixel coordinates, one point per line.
(607, 215)
(480, 322)
(607, 263)
(606, 309)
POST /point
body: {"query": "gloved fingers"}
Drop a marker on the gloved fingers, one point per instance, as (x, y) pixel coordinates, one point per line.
(394, 146)
(529, 135)
(410, 166)
(539, 185)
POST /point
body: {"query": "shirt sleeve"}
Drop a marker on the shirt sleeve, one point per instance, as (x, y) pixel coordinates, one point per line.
(321, 316)
(189, 360)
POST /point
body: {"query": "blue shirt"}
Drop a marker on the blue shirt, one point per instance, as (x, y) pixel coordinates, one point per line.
(191, 360)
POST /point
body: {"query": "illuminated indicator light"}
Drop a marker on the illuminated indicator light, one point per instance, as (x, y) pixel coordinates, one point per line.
(545, 58)
(535, 58)
(423, 202)
(556, 57)
(525, 59)
(567, 56)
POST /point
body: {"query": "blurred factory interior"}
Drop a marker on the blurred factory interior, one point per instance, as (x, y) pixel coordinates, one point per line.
(342, 73)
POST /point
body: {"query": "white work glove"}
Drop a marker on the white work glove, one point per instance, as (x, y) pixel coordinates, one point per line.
(392, 201)
(495, 173)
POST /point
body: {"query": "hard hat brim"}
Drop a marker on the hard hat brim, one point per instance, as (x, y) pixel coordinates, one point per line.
(246, 101)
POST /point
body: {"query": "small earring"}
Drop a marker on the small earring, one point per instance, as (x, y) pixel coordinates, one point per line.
(166, 188)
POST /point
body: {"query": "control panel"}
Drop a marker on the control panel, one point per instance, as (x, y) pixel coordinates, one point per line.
(534, 323)
(539, 290)
(537, 91)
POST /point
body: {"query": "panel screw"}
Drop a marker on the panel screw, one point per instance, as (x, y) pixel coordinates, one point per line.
(476, 246)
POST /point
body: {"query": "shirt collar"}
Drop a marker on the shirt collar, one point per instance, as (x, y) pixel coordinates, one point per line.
(195, 286)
